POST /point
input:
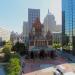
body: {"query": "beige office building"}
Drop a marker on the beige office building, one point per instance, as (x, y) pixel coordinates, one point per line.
(4, 34)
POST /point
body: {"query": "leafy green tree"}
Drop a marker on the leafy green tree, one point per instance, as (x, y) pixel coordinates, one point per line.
(56, 45)
(7, 50)
(7, 47)
(19, 48)
(13, 67)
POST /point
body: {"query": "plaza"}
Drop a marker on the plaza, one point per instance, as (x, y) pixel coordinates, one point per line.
(44, 66)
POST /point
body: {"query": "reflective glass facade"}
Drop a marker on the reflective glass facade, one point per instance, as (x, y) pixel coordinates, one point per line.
(68, 23)
(32, 15)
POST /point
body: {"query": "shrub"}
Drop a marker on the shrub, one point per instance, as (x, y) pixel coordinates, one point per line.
(13, 67)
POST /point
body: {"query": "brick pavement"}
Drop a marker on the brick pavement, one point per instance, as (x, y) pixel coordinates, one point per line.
(32, 67)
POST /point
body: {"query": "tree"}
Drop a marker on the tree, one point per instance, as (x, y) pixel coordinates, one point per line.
(19, 48)
(56, 45)
(13, 67)
(6, 50)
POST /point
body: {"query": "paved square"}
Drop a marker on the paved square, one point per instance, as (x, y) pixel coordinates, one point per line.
(41, 67)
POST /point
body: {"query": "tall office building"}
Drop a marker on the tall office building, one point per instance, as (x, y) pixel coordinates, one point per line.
(68, 22)
(56, 37)
(49, 23)
(32, 15)
(25, 31)
(4, 34)
(14, 37)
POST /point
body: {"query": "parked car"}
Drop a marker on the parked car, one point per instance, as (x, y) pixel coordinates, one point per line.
(64, 69)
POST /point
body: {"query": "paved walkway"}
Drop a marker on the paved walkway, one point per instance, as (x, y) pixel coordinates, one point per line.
(41, 67)
(47, 66)
(68, 56)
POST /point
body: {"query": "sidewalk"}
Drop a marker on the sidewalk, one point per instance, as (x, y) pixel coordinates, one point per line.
(43, 67)
(70, 57)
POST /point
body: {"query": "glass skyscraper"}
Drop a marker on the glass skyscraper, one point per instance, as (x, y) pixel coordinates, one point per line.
(32, 15)
(68, 25)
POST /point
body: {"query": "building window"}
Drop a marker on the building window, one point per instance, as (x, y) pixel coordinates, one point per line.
(32, 43)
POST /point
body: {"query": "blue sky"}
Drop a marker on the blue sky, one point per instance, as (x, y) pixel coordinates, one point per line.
(14, 12)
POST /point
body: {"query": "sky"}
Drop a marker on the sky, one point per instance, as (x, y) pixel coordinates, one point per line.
(14, 12)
